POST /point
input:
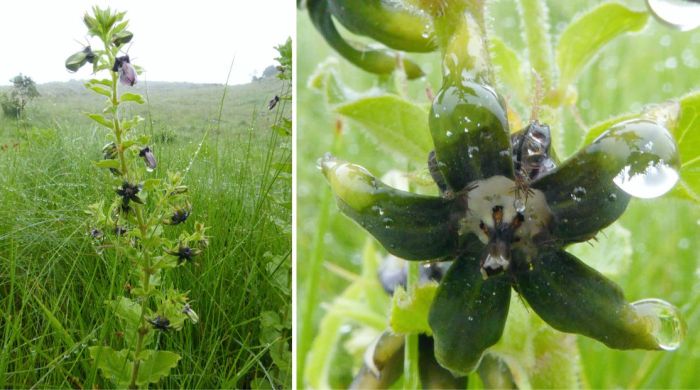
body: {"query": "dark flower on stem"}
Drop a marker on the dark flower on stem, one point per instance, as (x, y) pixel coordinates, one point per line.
(273, 102)
(96, 233)
(160, 323)
(148, 158)
(129, 192)
(77, 60)
(109, 152)
(120, 230)
(178, 216)
(183, 253)
(127, 73)
(506, 212)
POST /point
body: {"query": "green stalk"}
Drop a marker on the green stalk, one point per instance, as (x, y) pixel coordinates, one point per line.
(411, 359)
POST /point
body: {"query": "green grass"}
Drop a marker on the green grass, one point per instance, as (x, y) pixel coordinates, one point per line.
(53, 283)
(628, 74)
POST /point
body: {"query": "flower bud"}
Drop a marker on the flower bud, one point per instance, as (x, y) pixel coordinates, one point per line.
(148, 158)
(127, 73)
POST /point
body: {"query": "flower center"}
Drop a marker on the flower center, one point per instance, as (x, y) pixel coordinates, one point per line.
(503, 218)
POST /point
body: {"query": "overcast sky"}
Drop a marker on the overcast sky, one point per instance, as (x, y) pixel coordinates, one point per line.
(174, 40)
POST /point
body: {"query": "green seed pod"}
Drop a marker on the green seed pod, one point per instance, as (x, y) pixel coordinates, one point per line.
(383, 363)
(387, 22)
(603, 175)
(471, 134)
(122, 37)
(572, 297)
(372, 60)
(468, 314)
(410, 226)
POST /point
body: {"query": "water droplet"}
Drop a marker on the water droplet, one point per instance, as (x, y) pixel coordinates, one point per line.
(470, 318)
(472, 150)
(378, 209)
(578, 194)
(654, 181)
(663, 320)
(149, 169)
(387, 222)
(449, 133)
(612, 197)
(681, 14)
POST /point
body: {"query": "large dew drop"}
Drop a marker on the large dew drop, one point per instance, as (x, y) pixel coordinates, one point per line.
(652, 163)
(681, 14)
(663, 321)
(654, 181)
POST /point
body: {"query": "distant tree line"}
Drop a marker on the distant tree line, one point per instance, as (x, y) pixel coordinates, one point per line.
(15, 100)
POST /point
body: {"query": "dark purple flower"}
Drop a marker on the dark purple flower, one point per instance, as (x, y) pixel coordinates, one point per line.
(127, 73)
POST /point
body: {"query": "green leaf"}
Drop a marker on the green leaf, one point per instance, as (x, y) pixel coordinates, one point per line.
(687, 134)
(509, 69)
(409, 311)
(112, 164)
(100, 90)
(127, 310)
(101, 120)
(132, 97)
(156, 366)
(397, 124)
(587, 35)
(115, 366)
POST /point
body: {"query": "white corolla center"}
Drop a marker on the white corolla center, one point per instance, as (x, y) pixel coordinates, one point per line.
(501, 191)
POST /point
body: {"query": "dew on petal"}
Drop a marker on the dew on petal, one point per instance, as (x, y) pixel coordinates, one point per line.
(663, 321)
(681, 14)
(654, 181)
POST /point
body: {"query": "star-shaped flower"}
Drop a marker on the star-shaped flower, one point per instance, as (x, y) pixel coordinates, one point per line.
(506, 212)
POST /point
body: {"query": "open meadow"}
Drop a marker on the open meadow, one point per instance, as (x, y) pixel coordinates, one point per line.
(54, 281)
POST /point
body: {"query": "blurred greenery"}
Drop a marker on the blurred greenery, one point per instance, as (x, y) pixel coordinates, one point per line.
(651, 66)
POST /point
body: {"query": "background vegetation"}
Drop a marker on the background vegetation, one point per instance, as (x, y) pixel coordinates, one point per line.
(656, 64)
(53, 283)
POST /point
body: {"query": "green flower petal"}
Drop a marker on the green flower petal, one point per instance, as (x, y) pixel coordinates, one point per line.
(410, 226)
(586, 193)
(572, 297)
(372, 60)
(387, 22)
(471, 135)
(467, 315)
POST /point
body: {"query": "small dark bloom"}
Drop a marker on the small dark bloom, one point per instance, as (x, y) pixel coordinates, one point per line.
(129, 192)
(179, 216)
(148, 158)
(96, 233)
(119, 230)
(273, 102)
(77, 60)
(160, 323)
(127, 73)
(184, 253)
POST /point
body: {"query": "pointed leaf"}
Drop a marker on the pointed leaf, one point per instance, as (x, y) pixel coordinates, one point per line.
(586, 36)
(111, 164)
(467, 315)
(394, 123)
(132, 97)
(101, 120)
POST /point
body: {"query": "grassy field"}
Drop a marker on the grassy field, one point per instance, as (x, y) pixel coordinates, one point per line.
(649, 67)
(53, 283)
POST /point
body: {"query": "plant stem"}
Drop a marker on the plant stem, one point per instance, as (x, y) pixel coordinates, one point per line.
(410, 362)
